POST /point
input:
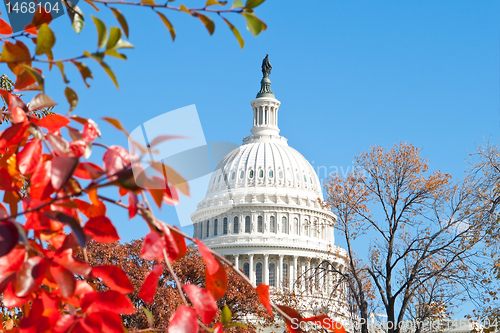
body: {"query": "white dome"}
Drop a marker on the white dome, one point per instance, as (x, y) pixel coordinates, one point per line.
(265, 166)
(263, 210)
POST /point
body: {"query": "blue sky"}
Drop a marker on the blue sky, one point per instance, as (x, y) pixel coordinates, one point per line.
(349, 74)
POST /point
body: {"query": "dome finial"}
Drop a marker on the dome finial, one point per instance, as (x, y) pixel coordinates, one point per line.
(265, 83)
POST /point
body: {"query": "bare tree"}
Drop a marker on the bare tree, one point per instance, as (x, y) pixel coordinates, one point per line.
(417, 227)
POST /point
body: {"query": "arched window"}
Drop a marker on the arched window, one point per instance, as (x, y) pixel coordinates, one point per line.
(247, 225)
(233, 175)
(246, 269)
(261, 173)
(285, 274)
(224, 226)
(258, 273)
(242, 174)
(250, 174)
(306, 228)
(296, 226)
(281, 174)
(216, 225)
(272, 225)
(208, 228)
(284, 225)
(272, 275)
(259, 224)
(236, 225)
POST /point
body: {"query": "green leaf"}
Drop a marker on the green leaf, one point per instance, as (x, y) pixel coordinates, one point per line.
(123, 44)
(108, 70)
(61, 68)
(167, 23)
(254, 24)
(102, 34)
(36, 75)
(215, 2)
(209, 24)
(235, 32)
(45, 40)
(98, 56)
(253, 3)
(184, 9)
(238, 4)
(84, 71)
(115, 34)
(76, 16)
(225, 316)
(72, 98)
(116, 54)
(149, 315)
(121, 19)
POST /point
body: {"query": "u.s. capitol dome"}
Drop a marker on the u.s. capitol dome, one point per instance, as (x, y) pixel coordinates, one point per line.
(263, 210)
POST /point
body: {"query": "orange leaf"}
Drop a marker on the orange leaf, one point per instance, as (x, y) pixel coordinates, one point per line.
(5, 28)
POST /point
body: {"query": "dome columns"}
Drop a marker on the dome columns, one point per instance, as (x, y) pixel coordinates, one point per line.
(265, 116)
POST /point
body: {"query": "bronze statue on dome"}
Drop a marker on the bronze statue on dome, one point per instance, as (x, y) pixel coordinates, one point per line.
(266, 66)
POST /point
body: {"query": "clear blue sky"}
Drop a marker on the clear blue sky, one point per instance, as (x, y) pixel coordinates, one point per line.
(349, 74)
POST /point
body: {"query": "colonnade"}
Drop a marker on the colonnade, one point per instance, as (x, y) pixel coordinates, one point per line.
(290, 272)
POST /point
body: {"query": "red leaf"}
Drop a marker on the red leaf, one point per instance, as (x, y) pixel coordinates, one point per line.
(63, 324)
(87, 170)
(102, 229)
(263, 292)
(41, 187)
(132, 204)
(89, 132)
(148, 288)
(64, 279)
(30, 276)
(83, 288)
(102, 322)
(153, 246)
(9, 237)
(30, 157)
(18, 115)
(91, 210)
(157, 195)
(170, 195)
(12, 261)
(73, 264)
(53, 122)
(183, 321)
(115, 159)
(170, 244)
(292, 313)
(77, 148)
(62, 170)
(114, 277)
(218, 328)
(10, 300)
(109, 300)
(181, 244)
(204, 303)
(6, 181)
(5, 28)
(212, 264)
(13, 134)
(216, 283)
